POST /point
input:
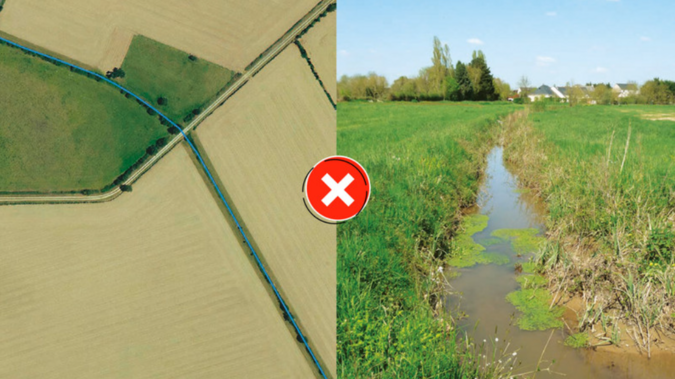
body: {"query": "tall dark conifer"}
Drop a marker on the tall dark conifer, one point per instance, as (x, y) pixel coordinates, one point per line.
(462, 78)
(486, 88)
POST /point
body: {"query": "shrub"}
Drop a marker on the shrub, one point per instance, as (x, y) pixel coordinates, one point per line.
(115, 73)
(126, 188)
(161, 142)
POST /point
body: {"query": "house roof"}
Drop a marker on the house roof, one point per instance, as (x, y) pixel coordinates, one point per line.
(562, 90)
(543, 90)
(623, 86)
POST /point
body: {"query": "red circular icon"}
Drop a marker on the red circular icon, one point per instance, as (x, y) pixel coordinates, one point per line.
(337, 188)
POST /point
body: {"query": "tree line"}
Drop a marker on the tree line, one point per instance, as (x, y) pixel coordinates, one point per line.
(440, 81)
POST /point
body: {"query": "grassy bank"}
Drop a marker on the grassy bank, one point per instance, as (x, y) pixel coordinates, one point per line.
(185, 82)
(606, 174)
(424, 161)
(62, 131)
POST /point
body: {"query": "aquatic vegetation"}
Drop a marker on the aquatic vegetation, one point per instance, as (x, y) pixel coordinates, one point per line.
(535, 310)
(467, 252)
(577, 340)
(531, 281)
(487, 242)
(473, 258)
(524, 241)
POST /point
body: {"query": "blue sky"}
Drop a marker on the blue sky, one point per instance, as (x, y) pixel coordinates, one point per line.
(552, 42)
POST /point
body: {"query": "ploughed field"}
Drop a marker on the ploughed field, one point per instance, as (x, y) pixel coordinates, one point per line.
(230, 33)
(153, 285)
(424, 160)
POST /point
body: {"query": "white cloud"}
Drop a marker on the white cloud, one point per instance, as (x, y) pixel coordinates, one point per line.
(474, 41)
(601, 70)
(645, 39)
(551, 14)
(544, 61)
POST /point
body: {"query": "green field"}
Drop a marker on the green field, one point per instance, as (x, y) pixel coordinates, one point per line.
(424, 162)
(611, 203)
(62, 131)
(153, 70)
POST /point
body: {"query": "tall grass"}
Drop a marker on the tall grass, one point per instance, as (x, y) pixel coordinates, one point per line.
(606, 176)
(424, 161)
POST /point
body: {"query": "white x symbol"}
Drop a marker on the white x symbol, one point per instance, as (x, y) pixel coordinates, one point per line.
(337, 190)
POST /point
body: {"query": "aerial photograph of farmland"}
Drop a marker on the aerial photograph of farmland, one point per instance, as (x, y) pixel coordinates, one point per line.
(522, 216)
(151, 156)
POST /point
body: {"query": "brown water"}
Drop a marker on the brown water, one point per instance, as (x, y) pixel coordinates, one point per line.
(480, 293)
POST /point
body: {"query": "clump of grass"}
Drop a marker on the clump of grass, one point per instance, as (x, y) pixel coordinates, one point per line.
(577, 340)
(607, 179)
(536, 312)
(531, 281)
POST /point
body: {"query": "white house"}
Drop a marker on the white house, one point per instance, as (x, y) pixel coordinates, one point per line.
(545, 91)
(542, 92)
(625, 89)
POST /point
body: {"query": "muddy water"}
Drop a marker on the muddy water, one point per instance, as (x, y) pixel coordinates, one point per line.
(479, 294)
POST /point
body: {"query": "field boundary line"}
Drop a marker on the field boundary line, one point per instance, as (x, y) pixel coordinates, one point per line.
(317, 77)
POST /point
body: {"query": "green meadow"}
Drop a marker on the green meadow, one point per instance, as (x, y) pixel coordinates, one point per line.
(424, 160)
(607, 176)
(185, 82)
(61, 131)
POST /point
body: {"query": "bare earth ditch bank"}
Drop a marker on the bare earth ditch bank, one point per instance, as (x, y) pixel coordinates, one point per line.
(497, 300)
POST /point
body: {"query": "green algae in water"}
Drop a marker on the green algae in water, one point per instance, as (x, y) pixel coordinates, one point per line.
(577, 341)
(467, 252)
(487, 242)
(533, 304)
(523, 241)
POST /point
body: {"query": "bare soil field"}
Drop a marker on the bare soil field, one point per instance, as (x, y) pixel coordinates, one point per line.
(230, 33)
(320, 43)
(152, 285)
(262, 143)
